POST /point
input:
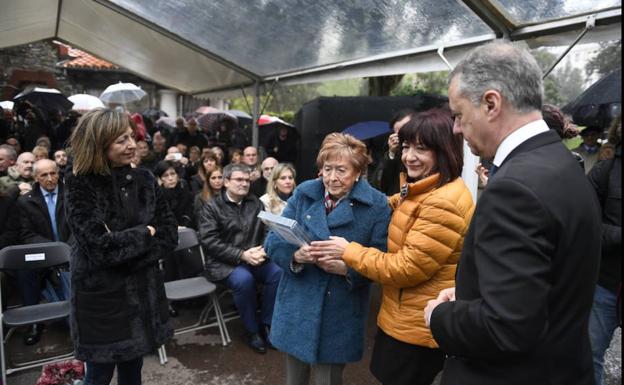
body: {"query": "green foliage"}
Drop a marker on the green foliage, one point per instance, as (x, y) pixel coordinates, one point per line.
(434, 83)
(608, 59)
(286, 99)
(563, 84)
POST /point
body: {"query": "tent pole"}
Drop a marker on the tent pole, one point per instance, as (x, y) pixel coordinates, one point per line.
(256, 115)
(589, 25)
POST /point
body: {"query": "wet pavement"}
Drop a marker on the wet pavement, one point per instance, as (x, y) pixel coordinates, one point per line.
(199, 358)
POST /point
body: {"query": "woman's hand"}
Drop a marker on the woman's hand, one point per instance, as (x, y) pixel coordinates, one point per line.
(333, 266)
(303, 255)
(332, 249)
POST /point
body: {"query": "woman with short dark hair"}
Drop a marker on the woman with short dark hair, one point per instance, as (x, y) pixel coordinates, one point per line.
(425, 238)
(122, 227)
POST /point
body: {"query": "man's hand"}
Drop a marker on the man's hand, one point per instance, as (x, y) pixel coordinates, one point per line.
(254, 175)
(254, 256)
(24, 188)
(446, 295)
(393, 144)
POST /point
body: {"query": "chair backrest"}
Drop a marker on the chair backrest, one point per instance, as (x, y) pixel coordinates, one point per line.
(187, 238)
(34, 255)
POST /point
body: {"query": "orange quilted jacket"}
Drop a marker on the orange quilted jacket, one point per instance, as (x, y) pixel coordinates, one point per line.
(425, 240)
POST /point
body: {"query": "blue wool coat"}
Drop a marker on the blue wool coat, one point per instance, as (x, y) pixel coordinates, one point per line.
(321, 317)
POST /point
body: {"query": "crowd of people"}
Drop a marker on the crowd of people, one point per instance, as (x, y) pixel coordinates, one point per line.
(519, 288)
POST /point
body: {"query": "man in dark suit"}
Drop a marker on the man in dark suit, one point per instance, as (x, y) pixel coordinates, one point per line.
(525, 280)
(42, 219)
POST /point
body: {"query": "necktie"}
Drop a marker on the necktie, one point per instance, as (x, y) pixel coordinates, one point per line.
(52, 213)
(493, 170)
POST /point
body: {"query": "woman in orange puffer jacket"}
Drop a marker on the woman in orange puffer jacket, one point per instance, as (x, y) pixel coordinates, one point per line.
(425, 238)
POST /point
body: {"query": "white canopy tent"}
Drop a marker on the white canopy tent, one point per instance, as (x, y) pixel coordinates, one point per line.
(201, 47)
(210, 48)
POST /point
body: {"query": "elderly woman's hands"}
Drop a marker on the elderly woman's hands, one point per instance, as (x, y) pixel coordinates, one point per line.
(303, 255)
(328, 255)
(330, 249)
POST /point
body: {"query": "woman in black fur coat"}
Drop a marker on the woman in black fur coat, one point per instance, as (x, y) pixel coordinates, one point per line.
(122, 227)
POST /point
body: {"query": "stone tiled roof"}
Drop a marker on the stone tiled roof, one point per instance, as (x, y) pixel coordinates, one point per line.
(79, 59)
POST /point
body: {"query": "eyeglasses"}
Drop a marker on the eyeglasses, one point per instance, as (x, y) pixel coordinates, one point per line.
(267, 168)
(240, 180)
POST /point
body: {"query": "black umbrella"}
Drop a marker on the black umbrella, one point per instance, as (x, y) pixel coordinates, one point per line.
(47, 99)
(600, 103)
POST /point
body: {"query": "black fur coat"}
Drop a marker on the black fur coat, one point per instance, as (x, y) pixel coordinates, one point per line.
(119, 310)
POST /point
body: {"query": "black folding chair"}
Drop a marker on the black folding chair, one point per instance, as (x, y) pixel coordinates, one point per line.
(189, 288)
(24, 257)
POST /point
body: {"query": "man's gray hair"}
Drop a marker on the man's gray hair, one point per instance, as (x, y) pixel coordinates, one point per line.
(232, 167)
(43, 160)
(503, 67)
(10, 151)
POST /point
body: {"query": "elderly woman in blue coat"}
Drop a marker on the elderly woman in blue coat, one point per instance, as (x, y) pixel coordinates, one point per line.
(321, 306)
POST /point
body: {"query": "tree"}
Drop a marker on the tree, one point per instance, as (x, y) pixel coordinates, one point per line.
(608, 59)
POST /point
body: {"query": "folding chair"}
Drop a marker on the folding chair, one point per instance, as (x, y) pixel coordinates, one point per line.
(195, 287)
(23, 257)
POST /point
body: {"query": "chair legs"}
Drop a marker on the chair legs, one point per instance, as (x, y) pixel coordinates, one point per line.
(26, 365)
(202, 323)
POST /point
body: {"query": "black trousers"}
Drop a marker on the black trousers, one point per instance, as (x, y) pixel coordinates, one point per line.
(398, 363)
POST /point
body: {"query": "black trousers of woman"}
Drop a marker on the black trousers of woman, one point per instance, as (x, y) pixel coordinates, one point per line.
(398, 363)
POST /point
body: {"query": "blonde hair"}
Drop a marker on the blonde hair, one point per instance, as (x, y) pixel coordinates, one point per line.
(336, 145)
(274, 199)
(95, 132)
(41, 150)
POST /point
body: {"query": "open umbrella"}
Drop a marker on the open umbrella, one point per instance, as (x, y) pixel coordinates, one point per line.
(240, 114)
(600, 103)
(368, 129)
(47, 99)
(166, 123)
(210, 122)
(85, 102)
(268, 119)
(7, 105)
(122, 93)
(207, 110)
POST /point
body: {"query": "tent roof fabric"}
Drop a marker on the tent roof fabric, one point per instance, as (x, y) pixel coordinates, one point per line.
(201, 47)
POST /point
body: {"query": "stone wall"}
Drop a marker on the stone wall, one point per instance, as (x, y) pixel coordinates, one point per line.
(36, 60)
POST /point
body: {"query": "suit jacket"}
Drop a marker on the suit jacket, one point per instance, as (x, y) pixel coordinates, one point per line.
(526, 277)
(35, 224)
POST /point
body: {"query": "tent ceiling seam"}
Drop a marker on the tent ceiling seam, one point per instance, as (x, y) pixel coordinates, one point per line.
(492, 16)
(604, 17)
(59, 9)
(150, 25)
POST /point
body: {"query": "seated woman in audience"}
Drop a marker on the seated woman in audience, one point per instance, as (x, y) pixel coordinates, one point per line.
(279, 188)
(431, 216)
(210, 189)
(321, 307)
(208, 163)
(176, 193)
(40, 152)
(236, 155)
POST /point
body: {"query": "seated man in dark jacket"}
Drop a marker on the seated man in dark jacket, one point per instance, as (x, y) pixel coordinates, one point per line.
(42, 219)
(232, 236)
